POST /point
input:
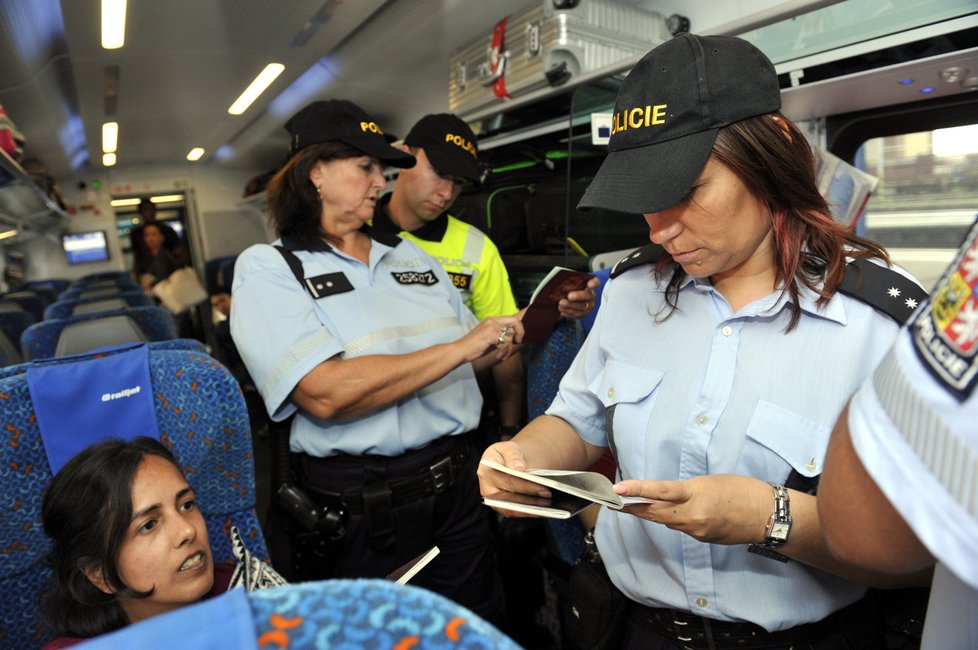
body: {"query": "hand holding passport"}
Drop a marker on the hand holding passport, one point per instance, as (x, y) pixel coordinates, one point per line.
(543, 312)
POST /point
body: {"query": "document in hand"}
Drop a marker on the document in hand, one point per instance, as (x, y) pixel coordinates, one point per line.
(586, 485)
(560, 506)
(542, 313)
(407, 571)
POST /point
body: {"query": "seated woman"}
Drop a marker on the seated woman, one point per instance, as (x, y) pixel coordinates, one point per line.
(129, 542)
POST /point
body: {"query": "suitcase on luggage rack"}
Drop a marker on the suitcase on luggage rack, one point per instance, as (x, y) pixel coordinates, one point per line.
(543, 46)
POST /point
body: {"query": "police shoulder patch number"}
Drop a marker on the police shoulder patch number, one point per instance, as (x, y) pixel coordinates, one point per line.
(415, 277)
(461, 281)
(945, 332)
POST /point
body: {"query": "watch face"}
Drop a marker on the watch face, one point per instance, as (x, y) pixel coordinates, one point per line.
(780, 531)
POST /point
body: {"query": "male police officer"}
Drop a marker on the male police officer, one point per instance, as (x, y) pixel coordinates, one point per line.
(417, 209)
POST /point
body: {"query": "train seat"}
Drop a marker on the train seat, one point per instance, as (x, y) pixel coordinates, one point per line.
(99, 286)
(103, 276)
(28, 300)
(63, 308)
(218, 273)
(79, 333)
(365, 613)
(13, 322)
(55, 284)
(9, 353)
(200, 414)
(547, 363)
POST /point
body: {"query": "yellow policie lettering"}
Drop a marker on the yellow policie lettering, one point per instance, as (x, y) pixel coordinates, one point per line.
(459, 141)
(370, 126)
(639, 117)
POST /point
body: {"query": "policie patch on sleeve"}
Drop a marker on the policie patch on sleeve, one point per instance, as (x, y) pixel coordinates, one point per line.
(415, 277)
(945, 333)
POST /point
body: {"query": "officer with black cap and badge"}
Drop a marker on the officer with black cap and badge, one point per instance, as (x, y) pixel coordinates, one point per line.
(363, 338)
(447, 153)
(719, 360)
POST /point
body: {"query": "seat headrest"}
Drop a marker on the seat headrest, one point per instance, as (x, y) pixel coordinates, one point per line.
(86, 335)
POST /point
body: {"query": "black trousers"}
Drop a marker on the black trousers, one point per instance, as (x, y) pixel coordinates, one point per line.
(454, 519)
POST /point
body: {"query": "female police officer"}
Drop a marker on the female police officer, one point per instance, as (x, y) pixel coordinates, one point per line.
(367, 342)
(719, 360)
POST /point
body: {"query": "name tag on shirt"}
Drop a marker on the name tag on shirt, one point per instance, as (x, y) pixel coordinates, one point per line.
(426, 278)
(329, 284)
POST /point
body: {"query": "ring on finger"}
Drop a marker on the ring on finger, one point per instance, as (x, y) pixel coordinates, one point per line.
(503, 333)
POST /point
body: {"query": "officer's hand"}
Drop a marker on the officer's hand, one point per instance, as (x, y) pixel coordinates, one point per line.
(496, 335)
(492, 480)
(578, 304)
(718, 509)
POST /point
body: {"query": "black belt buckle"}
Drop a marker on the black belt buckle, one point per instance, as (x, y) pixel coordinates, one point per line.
(442, 474)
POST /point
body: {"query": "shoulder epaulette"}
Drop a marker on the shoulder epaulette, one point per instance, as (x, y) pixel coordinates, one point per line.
(646, 255)
(295, 264)
(890, 292)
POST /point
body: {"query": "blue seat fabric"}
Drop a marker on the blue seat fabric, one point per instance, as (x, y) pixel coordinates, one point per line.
(202, 418)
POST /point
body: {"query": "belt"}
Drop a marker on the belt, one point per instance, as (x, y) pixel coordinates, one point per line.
(693, 632)
(434, 479)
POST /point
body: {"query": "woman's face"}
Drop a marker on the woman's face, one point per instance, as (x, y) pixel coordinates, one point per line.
(719, 230)
(165, 547)
(153, 238)
(348, 190)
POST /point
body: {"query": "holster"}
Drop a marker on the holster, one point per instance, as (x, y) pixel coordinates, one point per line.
(595, 614)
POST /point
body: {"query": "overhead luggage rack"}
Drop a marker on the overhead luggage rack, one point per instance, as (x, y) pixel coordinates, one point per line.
(23, 205)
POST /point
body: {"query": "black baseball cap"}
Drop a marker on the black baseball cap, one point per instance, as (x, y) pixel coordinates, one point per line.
(449, 144)
(339, 119)
(667, 115)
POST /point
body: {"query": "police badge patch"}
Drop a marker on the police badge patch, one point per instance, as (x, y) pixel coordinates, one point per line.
(415, 277)
(945, 334)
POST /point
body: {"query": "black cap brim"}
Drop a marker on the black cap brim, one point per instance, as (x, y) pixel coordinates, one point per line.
(453, 163)
(377, 146)
(651, 178)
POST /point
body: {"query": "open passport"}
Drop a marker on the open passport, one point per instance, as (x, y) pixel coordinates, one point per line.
(543, 312)
(584, 488)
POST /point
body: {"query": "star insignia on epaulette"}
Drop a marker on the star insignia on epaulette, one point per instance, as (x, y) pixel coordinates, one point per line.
(911, 303)
(893, 292)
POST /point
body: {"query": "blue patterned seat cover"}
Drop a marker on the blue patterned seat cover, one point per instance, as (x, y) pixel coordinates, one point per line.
(546, 367)
(372, 613)
(202, 418)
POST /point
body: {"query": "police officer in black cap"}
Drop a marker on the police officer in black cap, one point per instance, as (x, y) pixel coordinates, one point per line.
(418, 209)
(363, 338)
(718, 363)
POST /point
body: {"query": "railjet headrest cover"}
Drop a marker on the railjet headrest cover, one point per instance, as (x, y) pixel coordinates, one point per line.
(87, 398)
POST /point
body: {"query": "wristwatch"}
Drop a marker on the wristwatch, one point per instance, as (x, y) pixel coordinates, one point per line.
(778, 528)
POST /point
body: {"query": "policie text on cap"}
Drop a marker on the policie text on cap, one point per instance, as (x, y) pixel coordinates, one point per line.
(667, 115)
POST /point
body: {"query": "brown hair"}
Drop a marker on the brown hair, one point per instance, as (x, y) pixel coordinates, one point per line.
(772, 158)
(293, 202)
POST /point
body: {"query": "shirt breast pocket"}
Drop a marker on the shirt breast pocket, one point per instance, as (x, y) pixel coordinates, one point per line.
(628, 394)
(780, 440)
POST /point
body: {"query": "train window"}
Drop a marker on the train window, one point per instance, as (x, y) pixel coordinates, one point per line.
(927, 196)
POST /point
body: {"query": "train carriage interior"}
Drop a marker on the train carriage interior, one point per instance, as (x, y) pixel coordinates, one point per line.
(91, 131)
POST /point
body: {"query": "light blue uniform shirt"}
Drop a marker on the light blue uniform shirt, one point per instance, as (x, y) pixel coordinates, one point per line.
(708, 391)
(914, 425)
(403, 301)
